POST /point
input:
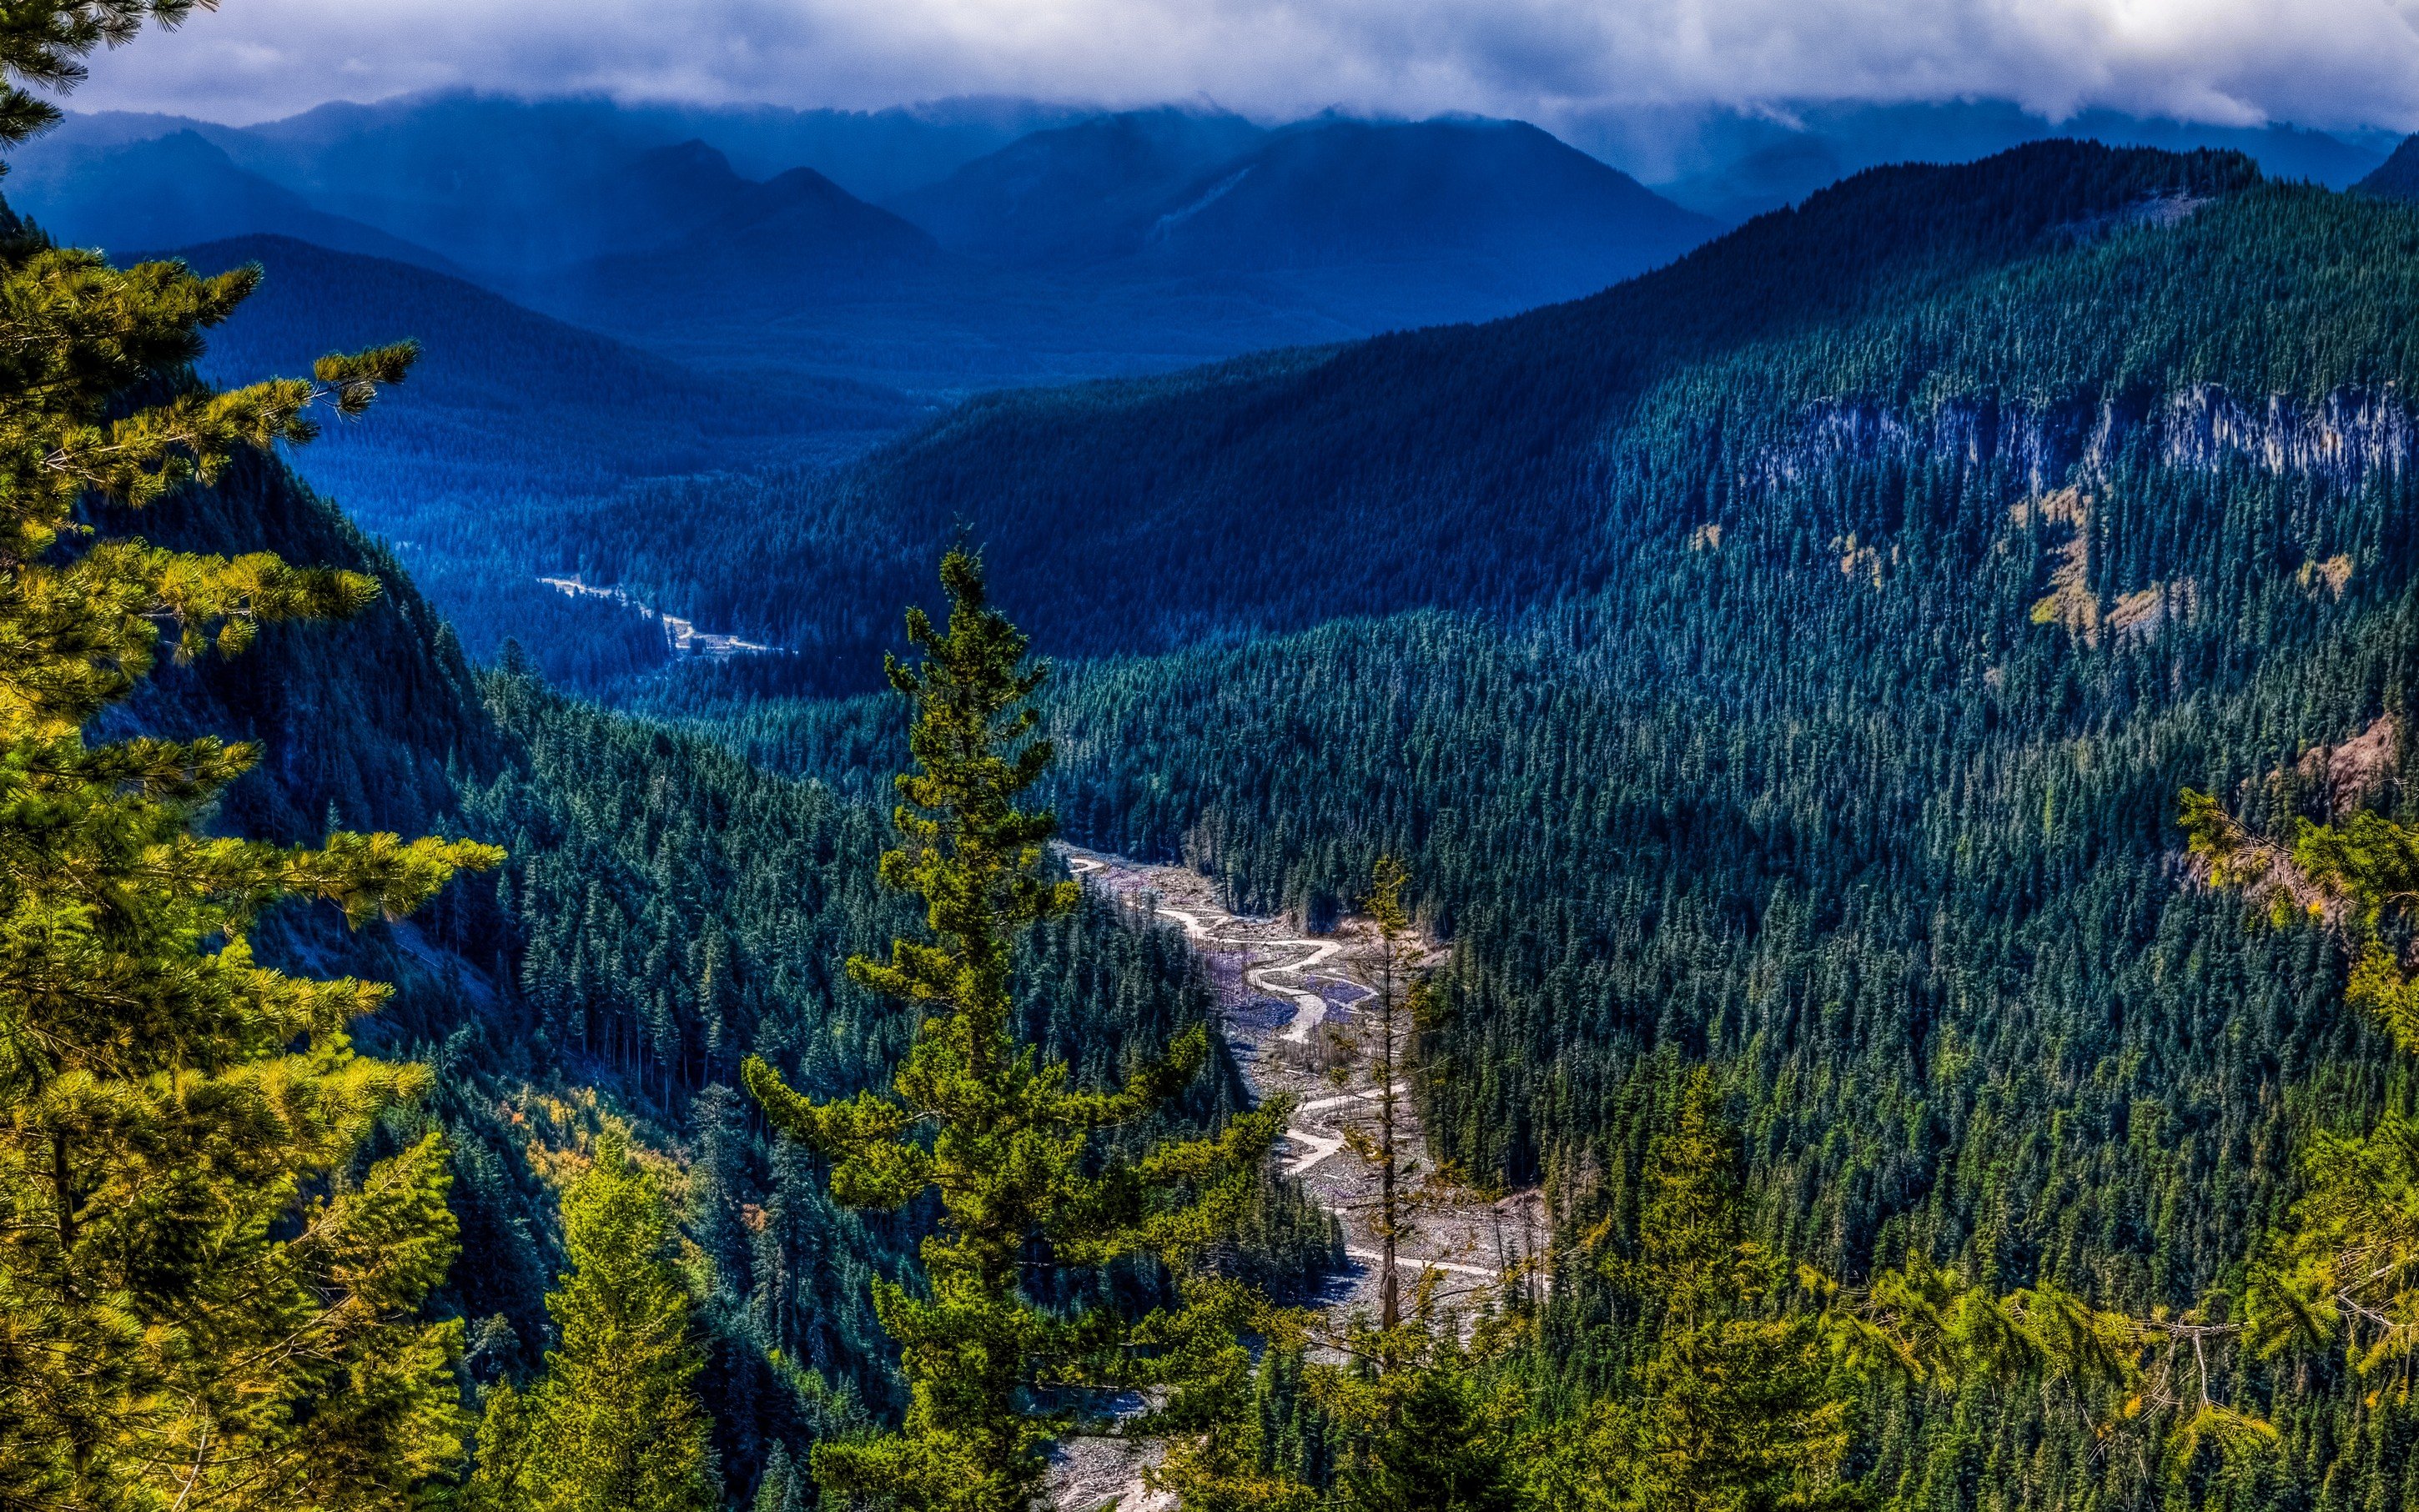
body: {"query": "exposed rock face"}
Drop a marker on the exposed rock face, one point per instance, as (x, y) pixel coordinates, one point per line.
(2343, 438)
(2353, 770)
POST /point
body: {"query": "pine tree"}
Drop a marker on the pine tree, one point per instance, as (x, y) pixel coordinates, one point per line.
(1423, 1423)
(614, 1425)
(1003, 1139)
(204, 1299)
(1228, 1454)
(780, 1488)
(46, 41)
(1419, 1421)
(1732, 1410)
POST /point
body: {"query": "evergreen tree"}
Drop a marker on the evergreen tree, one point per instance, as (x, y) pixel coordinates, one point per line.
(206, 1300)
(1422, 1423)
(1000, 1135)
(614, 1426)
(781, 1488)
(44, 43)
(1732, 1410)
(1233, 1423)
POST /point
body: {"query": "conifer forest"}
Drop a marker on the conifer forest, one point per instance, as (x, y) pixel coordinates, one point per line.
(1052, 809)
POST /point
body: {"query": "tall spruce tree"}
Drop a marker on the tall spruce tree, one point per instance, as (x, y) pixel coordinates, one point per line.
(1006, 1141)
(1420, 1421)
(614, 1425)
(1733, 1409)
(203, 1301)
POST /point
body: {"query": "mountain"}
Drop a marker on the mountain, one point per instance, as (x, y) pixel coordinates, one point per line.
(1076, 191)
(447, 169)
(511, 186)
(1314, 235)
(1468, 219)
(592, 407)
(172, 190)
(1734, 164)
(800, 223)
(796, 245)
(1786, 663)
(654, 197)
(1471, 467)
(2398, 177)
(511, 421)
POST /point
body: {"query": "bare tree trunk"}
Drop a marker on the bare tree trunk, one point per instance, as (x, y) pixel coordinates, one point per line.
(1389, 1288)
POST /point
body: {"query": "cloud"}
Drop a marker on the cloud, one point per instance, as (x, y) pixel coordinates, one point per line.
(2317, 62)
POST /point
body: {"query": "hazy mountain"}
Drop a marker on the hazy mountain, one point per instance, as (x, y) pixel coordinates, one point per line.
(504, 392)
(1320, 233)
(873, 154)
(511, 186)
(797, 239)
(656, 195)
(2398, 177)
(511, 425)
(486, 356)
(1734, 164)
(1414, 223)
(1075, 191)
(801, 221)
(171, 191)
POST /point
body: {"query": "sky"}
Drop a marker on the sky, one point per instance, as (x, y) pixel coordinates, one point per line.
(2324, 63)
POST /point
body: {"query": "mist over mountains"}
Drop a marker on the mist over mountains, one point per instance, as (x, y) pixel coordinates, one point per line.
(971, 243)
(626, 303)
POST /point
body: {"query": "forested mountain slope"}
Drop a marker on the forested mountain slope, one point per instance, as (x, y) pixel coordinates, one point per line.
(1490, 465)
(1790, 662)
(2398, 177)
(1733, 164)
(666, 910)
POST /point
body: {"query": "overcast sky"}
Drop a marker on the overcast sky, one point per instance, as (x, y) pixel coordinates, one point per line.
(2318, 62)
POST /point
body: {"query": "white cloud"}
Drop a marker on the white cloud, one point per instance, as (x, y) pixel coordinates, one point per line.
(2319, 62)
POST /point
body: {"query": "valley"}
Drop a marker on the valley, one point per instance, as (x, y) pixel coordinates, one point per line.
(1286, 1014)
(683, 637)
(952, 666)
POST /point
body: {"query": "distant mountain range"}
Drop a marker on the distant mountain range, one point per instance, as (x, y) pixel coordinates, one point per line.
(1734, 164)
(1131, 244)
(980, 243)
(1072, 192)
(1012, 242)
(175, 190)
(1491, 216)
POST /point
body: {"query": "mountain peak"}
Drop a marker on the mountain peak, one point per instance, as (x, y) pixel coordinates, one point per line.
(694, 155)
(1065, 193)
